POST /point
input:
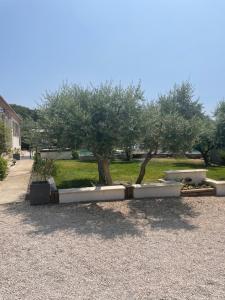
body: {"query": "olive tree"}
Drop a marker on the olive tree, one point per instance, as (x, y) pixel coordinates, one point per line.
(151, 127)
(93, 117)
(180, 100)
(170, 124)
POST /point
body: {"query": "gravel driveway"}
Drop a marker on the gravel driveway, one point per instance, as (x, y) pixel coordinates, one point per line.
(156, 249)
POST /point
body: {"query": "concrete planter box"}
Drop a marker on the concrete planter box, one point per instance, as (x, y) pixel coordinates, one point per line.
(16, 156)
(218, 185)
(39, 192)
(196, 176)
(157, 190)
(89, 194)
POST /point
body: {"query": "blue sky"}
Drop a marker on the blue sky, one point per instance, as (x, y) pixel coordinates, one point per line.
(160, 42)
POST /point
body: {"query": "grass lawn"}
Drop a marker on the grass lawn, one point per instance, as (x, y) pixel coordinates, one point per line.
(73, 173)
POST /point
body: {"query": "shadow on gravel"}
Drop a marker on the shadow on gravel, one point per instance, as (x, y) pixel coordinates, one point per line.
(170, 213)
(84, 219)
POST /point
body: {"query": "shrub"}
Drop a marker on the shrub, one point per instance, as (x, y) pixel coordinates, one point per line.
(44, 168)
(36, 158)
(75, 154)
(3, 168)
(5, 138)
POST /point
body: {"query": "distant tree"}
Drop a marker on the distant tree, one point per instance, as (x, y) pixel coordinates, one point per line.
(30, 118)
(25, 112)
(33, 135)
(206, 140)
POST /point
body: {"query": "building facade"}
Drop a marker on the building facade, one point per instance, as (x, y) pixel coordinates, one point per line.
(12, 121)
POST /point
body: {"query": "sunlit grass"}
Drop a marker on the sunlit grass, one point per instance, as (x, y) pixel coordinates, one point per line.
(73, 173)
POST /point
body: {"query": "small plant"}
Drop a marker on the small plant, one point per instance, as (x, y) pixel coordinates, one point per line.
(36, 157)
(75, 154)
(3, 168)
(16, 151)
(43, 168)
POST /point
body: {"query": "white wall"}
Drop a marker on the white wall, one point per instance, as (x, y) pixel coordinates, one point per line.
(16, 142)
(89, 194)
(196, 176)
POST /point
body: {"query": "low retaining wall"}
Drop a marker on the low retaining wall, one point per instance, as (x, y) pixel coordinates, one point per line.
(218, 185)
(196, 176)
(89, 194)
(157, 190)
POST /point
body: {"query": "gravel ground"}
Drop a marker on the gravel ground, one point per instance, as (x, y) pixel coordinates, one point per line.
(156, 249)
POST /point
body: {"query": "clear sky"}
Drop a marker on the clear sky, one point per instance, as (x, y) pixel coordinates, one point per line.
(160, 42)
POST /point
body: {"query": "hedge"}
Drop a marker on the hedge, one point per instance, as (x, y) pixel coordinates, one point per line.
(3, 168)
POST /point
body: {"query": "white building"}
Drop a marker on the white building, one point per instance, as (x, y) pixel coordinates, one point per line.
(12, 120)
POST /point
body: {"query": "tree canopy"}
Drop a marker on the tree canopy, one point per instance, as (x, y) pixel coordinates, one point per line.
(25, 112)
(206, 140)
(170, 124)
(109, 117)
(93, 117)
(220, 125)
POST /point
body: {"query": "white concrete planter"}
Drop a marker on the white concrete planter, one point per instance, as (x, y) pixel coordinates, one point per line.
(218, 185)
(89, 194)
(157, 190)
(197, 175)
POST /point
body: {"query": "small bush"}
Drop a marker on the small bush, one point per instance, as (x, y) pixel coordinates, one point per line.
(44, 168)
(3, 168)
(75, 154)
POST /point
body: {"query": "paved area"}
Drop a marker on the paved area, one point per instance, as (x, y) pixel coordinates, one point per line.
(14, 187)
(155, 249)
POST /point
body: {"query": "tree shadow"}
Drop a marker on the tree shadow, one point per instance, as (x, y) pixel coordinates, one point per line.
(165, 213)
(190, 165)
(92, 161)
(124, 162)
(83, 219)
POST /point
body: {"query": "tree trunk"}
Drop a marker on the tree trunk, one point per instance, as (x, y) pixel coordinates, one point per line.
(101, 177)
(205, 156)
(107, 175)
(128, 153)
(143, 168)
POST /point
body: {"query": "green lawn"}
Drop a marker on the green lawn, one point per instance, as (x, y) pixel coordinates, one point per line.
(73, 173)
